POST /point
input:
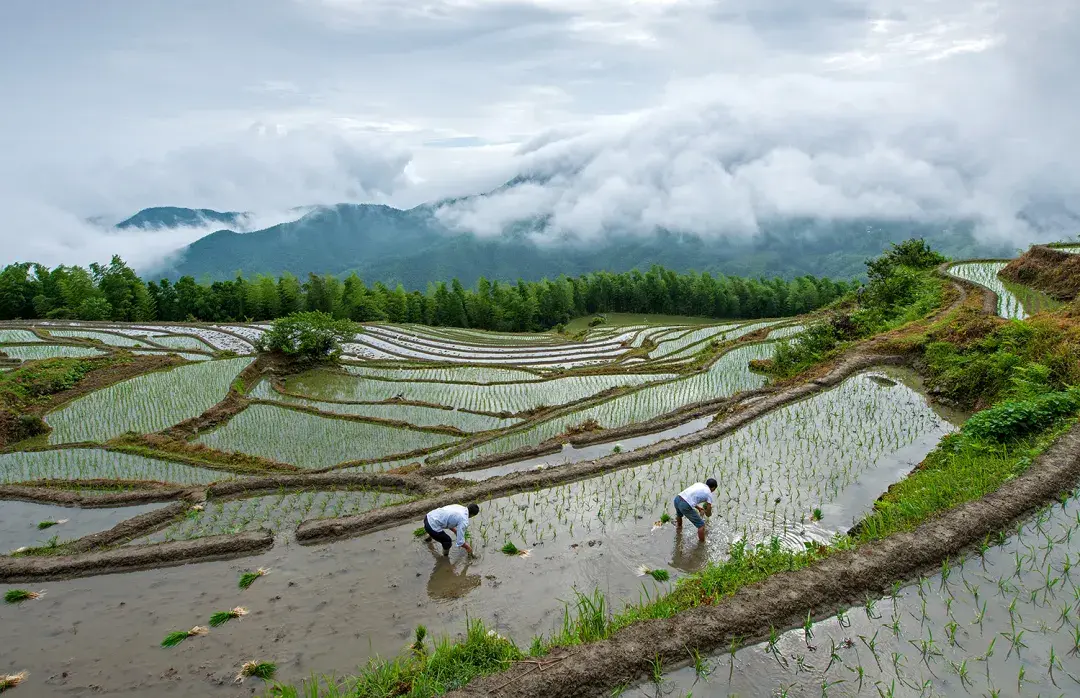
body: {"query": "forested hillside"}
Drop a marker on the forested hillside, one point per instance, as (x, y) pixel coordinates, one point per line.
(115, 292)
(412, 247)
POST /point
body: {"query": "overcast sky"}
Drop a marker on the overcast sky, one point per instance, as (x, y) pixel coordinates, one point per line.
(711, 116)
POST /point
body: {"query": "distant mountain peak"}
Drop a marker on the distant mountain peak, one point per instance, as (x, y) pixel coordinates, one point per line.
(177, 217)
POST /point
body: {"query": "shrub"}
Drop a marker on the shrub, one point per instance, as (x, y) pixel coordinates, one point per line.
(598, 320)
(1015, 419)
(310, 336)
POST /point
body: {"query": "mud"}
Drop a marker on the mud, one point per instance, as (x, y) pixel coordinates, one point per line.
(47, 492)
(989, 298)
(784, 600)
(314, 531)
(26, 569)
(130, 528)
(1054, 272)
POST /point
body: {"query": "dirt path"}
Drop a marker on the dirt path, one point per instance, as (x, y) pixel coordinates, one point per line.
(783, 600)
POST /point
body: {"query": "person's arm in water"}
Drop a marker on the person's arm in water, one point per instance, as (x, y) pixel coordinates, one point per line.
(461, 542)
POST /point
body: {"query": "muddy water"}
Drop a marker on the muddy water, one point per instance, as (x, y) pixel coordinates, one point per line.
(329, 608)
(19, 522)
(570, 454)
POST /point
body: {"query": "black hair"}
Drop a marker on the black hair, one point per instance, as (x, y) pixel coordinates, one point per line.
(474, 510)
(711, 483)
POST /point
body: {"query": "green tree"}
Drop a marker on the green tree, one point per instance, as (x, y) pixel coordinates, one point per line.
(308, 336)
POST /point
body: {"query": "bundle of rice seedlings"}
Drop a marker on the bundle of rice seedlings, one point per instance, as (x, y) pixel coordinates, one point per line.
(418, 645)
(511, 549)
(665, 518)
(419, 533)
(658, 575)
(8, 681)
(248, 578)
(42, 525)
(174, 639)
(223, 617)
(20, 595)
(263, 670)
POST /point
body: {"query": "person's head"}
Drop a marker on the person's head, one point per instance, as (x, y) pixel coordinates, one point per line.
(711, 484)
(473, 510)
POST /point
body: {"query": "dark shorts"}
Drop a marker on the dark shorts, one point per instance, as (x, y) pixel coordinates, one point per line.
(441, 536)
(683, 508)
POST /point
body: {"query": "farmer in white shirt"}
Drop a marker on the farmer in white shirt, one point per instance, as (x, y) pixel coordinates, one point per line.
(694, 501)
(453, 518)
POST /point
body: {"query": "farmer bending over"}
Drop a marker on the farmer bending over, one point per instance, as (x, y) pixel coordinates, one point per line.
(694, 501)
(453, 518)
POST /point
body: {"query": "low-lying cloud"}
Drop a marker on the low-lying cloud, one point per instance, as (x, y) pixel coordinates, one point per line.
(943, 129)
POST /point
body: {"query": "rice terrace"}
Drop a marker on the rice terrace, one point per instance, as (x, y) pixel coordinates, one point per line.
(196, 509)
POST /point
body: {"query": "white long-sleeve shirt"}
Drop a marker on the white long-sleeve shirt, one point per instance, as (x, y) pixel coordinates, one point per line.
(451, 516)
(697, 494)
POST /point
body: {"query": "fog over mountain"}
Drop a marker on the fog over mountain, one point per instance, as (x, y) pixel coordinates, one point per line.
(619, 124)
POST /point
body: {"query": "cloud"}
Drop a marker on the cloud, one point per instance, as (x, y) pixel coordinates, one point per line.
(707, 116)
(954, 122)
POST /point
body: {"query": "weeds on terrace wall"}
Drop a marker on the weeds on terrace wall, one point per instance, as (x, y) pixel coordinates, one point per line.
(901, 289)
(447, 666)
(974, 362)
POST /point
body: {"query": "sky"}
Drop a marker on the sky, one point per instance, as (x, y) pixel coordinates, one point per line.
(711, 117)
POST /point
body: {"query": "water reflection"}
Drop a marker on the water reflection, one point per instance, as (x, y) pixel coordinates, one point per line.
(447, 581)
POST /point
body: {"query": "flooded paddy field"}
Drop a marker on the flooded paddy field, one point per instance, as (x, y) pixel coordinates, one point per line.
(801, 473)
(1004, 621)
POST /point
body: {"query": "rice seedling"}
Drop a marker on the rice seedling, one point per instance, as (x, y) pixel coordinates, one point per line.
(20, 595)
(49, 351)
(816, 515)
(18, 336)
(98, 464)
(262, 670)
(103, 337)
(986, 274)
(510, 549)
(175, 638)
(419, 532)
(665, 518)
(312, 441)
(42, 525)
(418, 641)
(248, 578)
(9, 681)
(146, 403)
(497, 397)
(223, 617)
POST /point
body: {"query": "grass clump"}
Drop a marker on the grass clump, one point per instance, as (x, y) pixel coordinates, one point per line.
(175, 638)
(262, 670)
(447, 666)
(248, 578)
(20, 595)
(9, 681)
(222, 617)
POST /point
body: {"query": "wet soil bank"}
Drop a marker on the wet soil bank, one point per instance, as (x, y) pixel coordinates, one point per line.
(387, 481)
(42, 493)
(25, 569)
(314, 531)
(989, 298)
(783, 600)
(1054, 272)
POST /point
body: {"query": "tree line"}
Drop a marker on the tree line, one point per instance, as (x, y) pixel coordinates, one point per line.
(115, 292)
